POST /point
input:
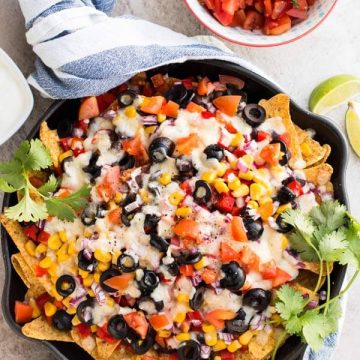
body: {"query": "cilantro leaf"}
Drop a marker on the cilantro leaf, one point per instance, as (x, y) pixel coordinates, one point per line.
(298, 243)
(6, 187)
(353, 239)
(27, 209)
(293, 326)
(11, 172)
(57, 208)
(290, 302)
(329, 213)
(334, 314)
(295, 4)
(78, 199)
(22, 151)
(333, 245)
(38, 156)
(50, 186)
(302, 222)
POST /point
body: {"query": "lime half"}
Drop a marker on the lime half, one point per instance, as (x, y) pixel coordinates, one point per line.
(333, 92)
(353, 125)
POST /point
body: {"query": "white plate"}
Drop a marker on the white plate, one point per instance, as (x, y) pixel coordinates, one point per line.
(16, 99)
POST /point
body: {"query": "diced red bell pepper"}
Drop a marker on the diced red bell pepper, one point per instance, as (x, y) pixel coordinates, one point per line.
(207, 114)
(186, 187)
(84, 330)
(82, 124)
(31, 232)
(186, 270)
(41, 300)
(65, 143)
(104, 101)
(89, 108)
(281, 278)
(296, 187)
(103, 334)
(225, 203)
(226, 355)
(297, 13)
(39, 271)
(43, 237)
(187, 83)
(23, 312)
(262, 135)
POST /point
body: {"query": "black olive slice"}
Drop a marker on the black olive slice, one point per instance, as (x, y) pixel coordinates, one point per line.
(88, 215)
(65, 285)
(284, 227)
(234, 278)
(202, 193)
(117, 327)
(62, 320)
(198, 298)
(127, 162)
(148, 282)
(84, 311)
(126, 263)
(238, 325)
(284, 149)
(285, 195)
(142, 346)
(65, 161)
(254, 114)
(149, 305)
(214, 151)
(173, 268)
(258, 299)
(177, 93)
(159, 242)
(183, 165)
(150, 223)
(86, 261)
(64, 128)
(189, 350)
(161, 148)
(254, 229)
(108, 274)
(126, 98)
(188, 258)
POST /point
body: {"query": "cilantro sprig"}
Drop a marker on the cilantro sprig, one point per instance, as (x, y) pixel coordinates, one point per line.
(36, 203)
(327, 234)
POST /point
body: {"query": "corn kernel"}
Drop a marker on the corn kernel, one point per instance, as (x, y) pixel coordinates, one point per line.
(243, 190)
(207, 328)
(249, 175)
(248, 159)
(305, 149)
(118, 197)
(84, 274)
(144, 194)
(50, 309)
(41, 249)
(150, 129)
(211, 338)
(63, 250)
(110, 302)
(209, 176)
(36, 311)
(75, 321)
(220, 345)
(234, 185)
(183, 211)
(253, 204)
(71, 249)
(245, 338)
(221, 169)
(201, 264)
(284, 242)
(46, 262)
(112, 205)
(65, 155)
(102, 256)
(97, 277)
(91, 293)
(181, 297)
(256, 191)
(54, 293)
(103, 266)
(130, 112)
(52, 270)
(87, 233)
(165, 179)
(180, 317)
(114, 257)
(183, 337)
(161, 118)
(175, 198)
(63, 257)
(54, 278)
(63, 236)
(237, 139)
(30, 247)
(71, 310)
(217, 357)
(283, 208)
(234, 346)
(164, 333)
(88, 280)
(221, 187)
(93, 328)
(54, 242)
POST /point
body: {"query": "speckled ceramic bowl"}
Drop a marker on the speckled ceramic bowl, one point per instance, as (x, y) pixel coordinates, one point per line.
(317, 14)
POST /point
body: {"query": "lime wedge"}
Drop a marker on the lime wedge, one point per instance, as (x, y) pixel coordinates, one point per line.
(352, 120)
(333, 92)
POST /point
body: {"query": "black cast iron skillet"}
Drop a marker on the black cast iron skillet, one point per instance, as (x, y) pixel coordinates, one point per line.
(257, 88)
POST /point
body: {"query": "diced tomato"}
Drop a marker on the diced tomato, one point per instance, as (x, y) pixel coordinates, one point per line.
(296, 13)
(268, 270)
(104, 101)
(228, 104)
(148, 90)
(259, 6)
(136, 148)
(239, 152)
(279, 9)
(186, 270)
(218, 317)
(158, 80)
(43, 237)
(120, 282)
(187, 228)
(230, 6)
(271, 153)
(137, 321)
(114, 216)
(159, 321)
(193, 107)
(39, 271)
(296, 187)
(249, 260)
(170, 109)
(108, 187)
(103, 334)
(253, 20)
(238, 230)
(186, 145)
(152, 105)
(31, 232)
(225, 18)
(41, 300)
(303, 4)
(194, 315)
(286, 138)
(187, 83)
(23, 312)
(281, 278)
(89, 108)
(210, 4)
(227, 355)
(262, 135)
(268, 8)
(284, 25)
(239, 18)
(186, 187)
(202, 88)
(227, 253)
(207, 115)
(82, 124)
(225, 203)
(84, 330)
(209, 276)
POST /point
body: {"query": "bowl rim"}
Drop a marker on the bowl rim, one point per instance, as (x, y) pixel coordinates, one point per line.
(243, 43)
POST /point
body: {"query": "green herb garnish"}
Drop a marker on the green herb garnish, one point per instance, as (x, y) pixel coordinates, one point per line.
(15, 177)
(327, 234)
(295, 4)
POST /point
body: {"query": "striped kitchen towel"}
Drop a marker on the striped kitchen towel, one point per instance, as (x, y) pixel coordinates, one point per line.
(82, 51)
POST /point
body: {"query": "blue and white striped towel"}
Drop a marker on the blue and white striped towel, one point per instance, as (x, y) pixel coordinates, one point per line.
(82, 51)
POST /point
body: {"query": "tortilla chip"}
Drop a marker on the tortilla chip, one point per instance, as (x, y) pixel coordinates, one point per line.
(319, 175)
(88, 343)
(279, 105)
(122, 354)
(51, 141)
(262, 345)
(317, 151)
(301, 134)
(315, 267)
(41, 330)
(16, 233)
(104, 349)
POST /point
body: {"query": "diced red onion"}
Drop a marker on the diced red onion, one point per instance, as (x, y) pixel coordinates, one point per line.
(87, 253)
(240, 202)
(242, 166)
(196, 279)
(131, 207)
(76, 301)
(123, 187)
(99, 293)
(251, 145)
(226, 337)
(205, 351)
(87, 314)
(149, 120)
(41, 224)
(312, 304)
(247, 137)
(109, 115)
(196, 323)
(175, 241)
(255, 322)
(233, 80)
(77, 132)
(322, 295)
(272, 223)
(219, 86)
